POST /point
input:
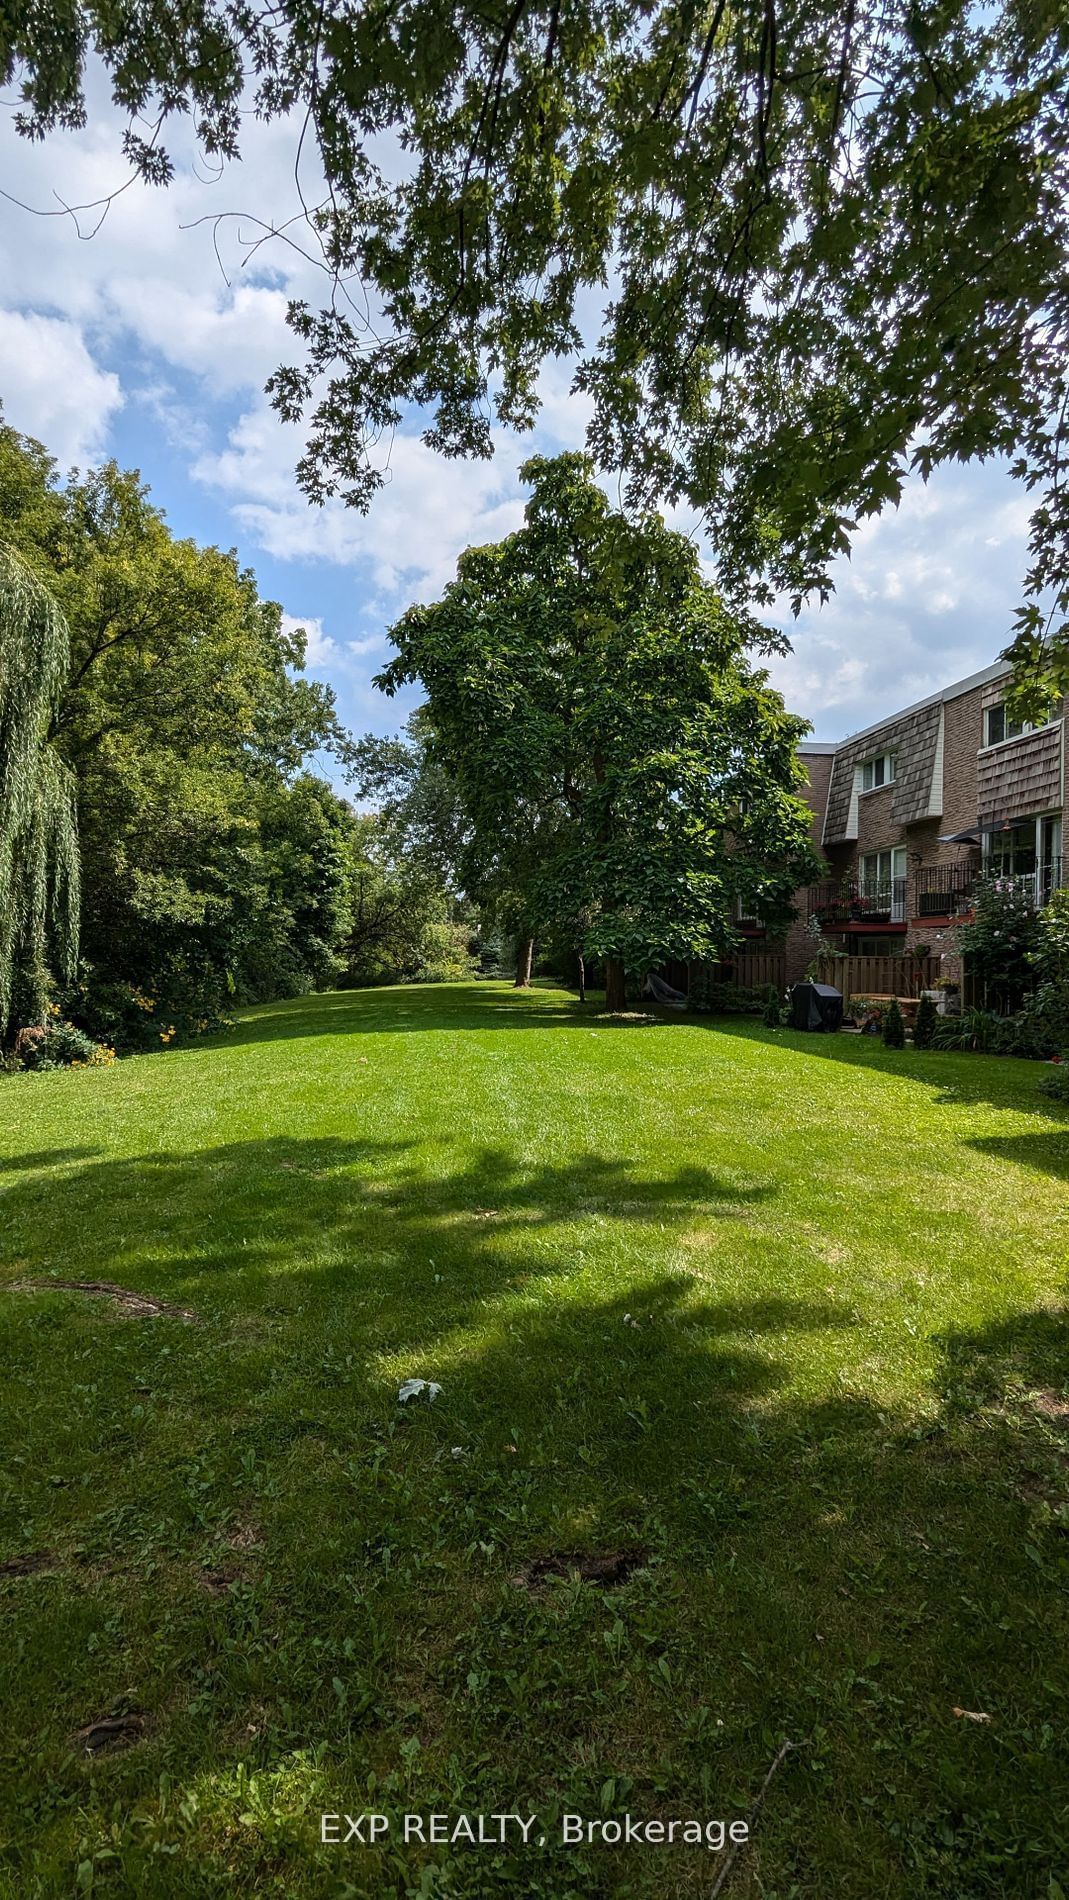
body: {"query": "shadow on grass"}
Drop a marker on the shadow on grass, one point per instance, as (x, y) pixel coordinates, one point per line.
(1048, 1152)
(961, 1076)
(399, 1010)
(44, 1158)
(836, 1570)
(283, 1220)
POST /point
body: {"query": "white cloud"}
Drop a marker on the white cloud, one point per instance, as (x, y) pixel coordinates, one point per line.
(428, 512)
(927, 598)
(51, 388)
(320, 650)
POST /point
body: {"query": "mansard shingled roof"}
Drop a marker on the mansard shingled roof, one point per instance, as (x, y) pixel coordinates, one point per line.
(914, 736)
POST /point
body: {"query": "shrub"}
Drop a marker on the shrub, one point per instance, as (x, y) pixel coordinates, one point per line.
(866, 1012)
(1050, 954)
(119, 1014)
(773, 1008)
(730, 999)
(979, 1029)
(445, 954)
(999, 943)
(1040, 1028)
(894, 1029)
(59, 1045)
(1056, 1082)
(925, 1025)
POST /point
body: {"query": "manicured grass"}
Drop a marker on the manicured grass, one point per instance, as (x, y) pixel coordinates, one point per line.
(785, 1314)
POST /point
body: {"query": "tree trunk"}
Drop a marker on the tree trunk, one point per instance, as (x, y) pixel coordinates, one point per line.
(615, 986)
(524, 959)
(582, 976)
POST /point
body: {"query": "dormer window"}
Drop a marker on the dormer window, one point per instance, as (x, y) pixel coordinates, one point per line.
(878, 771)
(999, 726)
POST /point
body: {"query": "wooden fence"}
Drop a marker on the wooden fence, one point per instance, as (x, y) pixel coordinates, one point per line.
(854, 976)
(879, 976)
(753, 969)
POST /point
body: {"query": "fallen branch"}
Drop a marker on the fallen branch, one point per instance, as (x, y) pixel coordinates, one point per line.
(736, 1846)
(139, 1305)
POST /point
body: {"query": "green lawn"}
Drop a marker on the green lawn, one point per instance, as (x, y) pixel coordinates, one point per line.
(786, 1316)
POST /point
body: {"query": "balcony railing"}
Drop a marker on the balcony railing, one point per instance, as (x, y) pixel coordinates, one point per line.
(941, 890)
(945, 889)
(1037, 885)
(863, 901)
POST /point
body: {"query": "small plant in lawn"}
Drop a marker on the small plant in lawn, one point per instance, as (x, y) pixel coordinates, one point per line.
(773, 1008)
(924, 1027)
(894, 1029)
(979, 1029)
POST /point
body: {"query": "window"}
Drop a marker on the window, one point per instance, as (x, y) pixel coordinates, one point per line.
(880, 867)
(999, 726)
(876, 946)
(878, 771)
(882, 890)
(1030, 851)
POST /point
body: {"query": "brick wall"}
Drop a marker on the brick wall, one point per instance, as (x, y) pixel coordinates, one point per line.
(798, 945)
(945, 752)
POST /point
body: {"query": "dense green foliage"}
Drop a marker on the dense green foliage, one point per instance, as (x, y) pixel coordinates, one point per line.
(894, 1029)
(624, 769)
(924, 1024)
(834, 1425)
(405, 925)
(39, 867)
(999, 942)
(411, 918)
(213, 865)
(836, 236)
(1050, 945)
(1056, 1082)
(982, 1030)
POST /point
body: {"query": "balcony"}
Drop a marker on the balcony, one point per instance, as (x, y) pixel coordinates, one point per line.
(945, 890)
(1037, 886)
(863, 901)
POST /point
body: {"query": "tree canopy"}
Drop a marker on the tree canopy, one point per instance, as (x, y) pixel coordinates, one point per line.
(795, 250)
(168, 698)
(143, 676)
(626, 772)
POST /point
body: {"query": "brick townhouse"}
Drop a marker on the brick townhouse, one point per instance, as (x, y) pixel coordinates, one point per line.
(911, 811)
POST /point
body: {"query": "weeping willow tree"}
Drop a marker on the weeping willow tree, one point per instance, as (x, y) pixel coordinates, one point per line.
(39, 863)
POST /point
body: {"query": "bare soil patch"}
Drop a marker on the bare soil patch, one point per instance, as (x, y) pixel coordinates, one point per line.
(26, 1565)
(135, 1305)
(607, 1568)
(110, 1733)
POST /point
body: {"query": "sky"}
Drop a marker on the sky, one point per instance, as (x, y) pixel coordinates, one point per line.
(149, 337)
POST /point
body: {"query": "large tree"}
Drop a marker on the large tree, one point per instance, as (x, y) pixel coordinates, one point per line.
(39, 865)
(796, 248)
(618, 756)
(212, 865)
